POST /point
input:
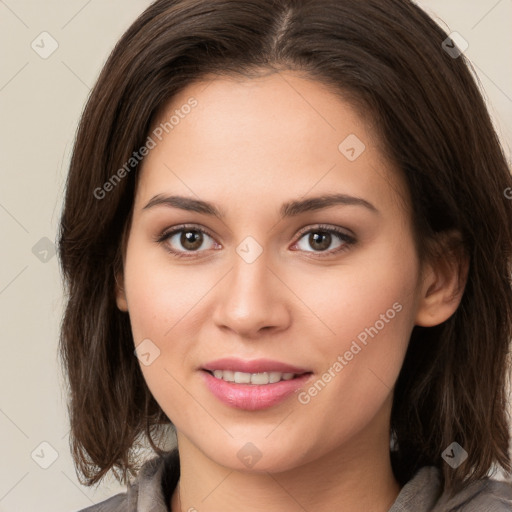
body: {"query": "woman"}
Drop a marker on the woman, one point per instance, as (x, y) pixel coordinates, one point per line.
(286, 233)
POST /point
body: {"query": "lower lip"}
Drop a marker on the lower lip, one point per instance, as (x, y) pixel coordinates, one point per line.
(253, 397)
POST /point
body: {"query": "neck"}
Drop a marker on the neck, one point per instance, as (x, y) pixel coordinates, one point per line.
(355, 478)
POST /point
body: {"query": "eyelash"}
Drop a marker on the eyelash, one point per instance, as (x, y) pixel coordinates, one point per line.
(347, 240)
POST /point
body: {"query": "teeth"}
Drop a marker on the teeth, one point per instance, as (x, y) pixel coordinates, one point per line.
(252, 378)
(274, 377)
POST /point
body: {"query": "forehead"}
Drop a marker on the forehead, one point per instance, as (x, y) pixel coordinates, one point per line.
(279, 134)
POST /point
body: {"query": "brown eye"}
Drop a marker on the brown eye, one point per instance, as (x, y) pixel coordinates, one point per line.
(324, 240)
(183, 240)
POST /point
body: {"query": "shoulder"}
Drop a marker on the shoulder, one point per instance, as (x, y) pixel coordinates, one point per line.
(151, 490)
(117, 502)
(424, 493)
(486, 494)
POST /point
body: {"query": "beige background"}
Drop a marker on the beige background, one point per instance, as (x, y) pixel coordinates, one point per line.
(41, 101)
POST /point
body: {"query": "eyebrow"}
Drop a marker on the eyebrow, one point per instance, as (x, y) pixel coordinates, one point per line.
(288, 209)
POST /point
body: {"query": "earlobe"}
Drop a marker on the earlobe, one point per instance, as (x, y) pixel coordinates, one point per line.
(443, 286)
(121, 301)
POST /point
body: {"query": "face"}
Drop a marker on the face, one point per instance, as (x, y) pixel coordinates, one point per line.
(299, 278)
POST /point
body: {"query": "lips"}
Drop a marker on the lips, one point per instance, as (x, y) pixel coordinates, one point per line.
(253, 385)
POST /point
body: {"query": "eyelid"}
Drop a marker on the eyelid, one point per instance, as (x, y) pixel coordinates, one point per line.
(326, 227)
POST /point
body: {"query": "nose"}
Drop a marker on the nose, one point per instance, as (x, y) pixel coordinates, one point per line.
(253, 299)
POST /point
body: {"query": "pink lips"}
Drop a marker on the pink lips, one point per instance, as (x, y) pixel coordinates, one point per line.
(253, 397)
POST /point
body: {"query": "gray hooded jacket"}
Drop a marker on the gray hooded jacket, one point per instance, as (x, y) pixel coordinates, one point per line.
(157, 479)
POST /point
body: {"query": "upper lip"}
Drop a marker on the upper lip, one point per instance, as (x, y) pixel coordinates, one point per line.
(254, 366)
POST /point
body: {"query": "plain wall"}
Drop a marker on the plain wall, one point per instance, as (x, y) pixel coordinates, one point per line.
(40, 103)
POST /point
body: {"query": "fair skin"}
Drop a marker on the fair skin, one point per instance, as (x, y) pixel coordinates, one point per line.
(248, 147)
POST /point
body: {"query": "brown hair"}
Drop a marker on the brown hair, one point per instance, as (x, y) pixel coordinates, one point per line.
(387, 57)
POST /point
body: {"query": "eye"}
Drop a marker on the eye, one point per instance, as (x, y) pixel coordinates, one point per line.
(182, 239)
(188, 241)
(323, 239)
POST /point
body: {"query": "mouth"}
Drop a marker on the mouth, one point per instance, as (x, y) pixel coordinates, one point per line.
(253, 385)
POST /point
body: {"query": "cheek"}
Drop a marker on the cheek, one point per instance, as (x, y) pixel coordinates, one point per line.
(160, 304)
(165, 309)
(370, 309)
(369, 297)
(161, 298)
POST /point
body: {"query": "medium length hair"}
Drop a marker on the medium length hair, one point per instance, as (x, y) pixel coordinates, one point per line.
(386, 58)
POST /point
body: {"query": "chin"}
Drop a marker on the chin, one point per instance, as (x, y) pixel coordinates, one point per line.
(257, 457)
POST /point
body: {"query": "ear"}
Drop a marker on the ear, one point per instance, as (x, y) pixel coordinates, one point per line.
(121, 301)
(443, 281)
